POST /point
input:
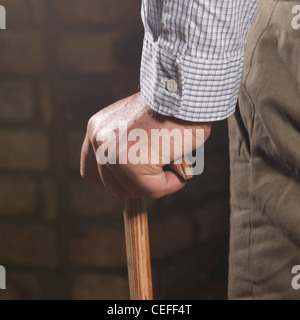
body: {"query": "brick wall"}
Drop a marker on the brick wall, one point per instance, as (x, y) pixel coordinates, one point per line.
(60, 62)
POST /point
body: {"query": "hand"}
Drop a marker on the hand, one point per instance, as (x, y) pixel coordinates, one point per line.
(130, 180)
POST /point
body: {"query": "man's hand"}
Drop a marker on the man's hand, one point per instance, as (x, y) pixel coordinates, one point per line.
(134, 180)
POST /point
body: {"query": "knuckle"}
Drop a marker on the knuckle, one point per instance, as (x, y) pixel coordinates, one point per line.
(91, 131)
(90, 124)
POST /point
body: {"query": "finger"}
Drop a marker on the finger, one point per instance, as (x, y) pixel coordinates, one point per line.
(89, 166)
(111, 183)
(174, 182)
(162, 184)
(131, 186)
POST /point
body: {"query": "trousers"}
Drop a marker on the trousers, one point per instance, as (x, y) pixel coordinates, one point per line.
(264, 135)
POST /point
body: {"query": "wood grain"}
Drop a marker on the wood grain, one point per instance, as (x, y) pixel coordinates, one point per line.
(138, 249)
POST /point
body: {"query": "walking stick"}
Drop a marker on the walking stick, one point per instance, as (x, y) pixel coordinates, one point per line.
(137, 240)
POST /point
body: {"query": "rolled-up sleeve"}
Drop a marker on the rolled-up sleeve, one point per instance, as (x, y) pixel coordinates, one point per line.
(193, 56)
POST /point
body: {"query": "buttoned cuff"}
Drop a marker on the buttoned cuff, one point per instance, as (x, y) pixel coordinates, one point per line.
(189, 88)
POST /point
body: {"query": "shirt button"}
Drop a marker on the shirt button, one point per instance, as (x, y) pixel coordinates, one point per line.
(172, 86)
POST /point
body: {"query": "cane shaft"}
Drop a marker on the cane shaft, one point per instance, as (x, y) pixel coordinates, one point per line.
(137, 240)
(138, 249)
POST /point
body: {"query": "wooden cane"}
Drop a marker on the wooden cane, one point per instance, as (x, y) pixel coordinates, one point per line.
(137, 239)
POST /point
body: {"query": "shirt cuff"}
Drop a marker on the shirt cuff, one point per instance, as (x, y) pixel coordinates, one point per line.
(189, 88)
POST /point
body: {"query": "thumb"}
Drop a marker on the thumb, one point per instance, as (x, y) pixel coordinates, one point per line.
(170, 183)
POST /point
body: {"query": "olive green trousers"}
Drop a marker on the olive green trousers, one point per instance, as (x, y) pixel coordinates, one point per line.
(265, 160)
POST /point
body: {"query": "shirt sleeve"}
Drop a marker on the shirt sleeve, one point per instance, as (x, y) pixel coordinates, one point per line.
(193, 56)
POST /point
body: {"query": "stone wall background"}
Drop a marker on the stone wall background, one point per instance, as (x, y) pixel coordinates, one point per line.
(60, 62)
